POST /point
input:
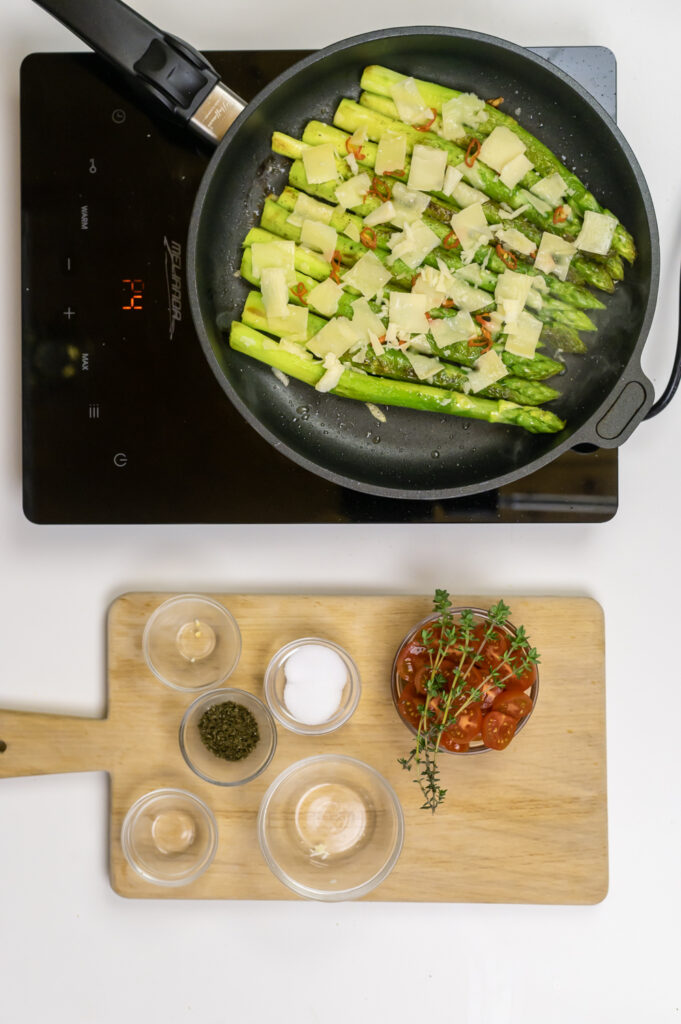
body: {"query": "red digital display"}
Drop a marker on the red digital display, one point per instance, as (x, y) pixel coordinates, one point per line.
(133, 293)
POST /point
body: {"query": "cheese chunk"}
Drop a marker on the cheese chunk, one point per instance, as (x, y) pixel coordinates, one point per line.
(523, 335)
(274, 290)
(466, 297)
(597, 233)
(324, 298)
(433, 284)
(452, 178)
(488, 369)
(554, 255)
(277, 253)
(515, 170)
(353, 191)
(424, 367)
(540, 205)
(413, 244)
(464, 109)
(381, 215)
(336, 336)
(427, 171)
(451, 330)
(470, 227)
(320, 164)
(351, 231)
(511, 293)
(409, 204)
(552, 189)
(408, 312)
(365, 321)
(307, 208)
(516, 240)
(391, 153)
(409, 102)
(292, 326)
(334, 372)
(320, 237)
(368, 275)
(500, 147)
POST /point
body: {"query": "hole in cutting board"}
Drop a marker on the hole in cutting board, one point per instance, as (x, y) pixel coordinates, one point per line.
(3, 746)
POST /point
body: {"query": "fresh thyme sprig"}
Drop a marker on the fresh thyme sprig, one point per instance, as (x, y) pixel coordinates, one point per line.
(446, 698)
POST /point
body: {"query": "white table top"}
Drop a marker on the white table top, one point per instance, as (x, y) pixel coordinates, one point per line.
(70, 949)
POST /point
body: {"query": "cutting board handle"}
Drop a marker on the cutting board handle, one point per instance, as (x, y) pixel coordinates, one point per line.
(39, 744)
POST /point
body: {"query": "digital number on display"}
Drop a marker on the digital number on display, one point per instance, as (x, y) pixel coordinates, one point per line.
(133, 293)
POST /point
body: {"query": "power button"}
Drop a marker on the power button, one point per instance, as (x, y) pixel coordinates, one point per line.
(120, 459)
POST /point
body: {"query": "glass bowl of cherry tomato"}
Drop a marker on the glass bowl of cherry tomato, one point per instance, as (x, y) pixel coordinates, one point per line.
(468, 678)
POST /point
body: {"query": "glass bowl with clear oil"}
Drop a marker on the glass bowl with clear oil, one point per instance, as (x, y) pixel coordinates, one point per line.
(191, 642)
(228, 737)
(331, 828)
(169, 837)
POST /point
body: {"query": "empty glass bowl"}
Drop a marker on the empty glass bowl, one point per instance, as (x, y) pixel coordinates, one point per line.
(191, 642)
(348, 690)
(219, 770)
(169, 837)
(330, 828)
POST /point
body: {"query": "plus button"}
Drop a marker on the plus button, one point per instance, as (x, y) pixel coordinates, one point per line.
(69, 312)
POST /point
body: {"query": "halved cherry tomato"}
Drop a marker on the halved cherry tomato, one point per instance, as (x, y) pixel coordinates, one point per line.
(498, 730)
(421, 677)
(514, 703)
(450, 742)
(495, 647)
(467, 724)
(409, 658)
(408, 705)
(513, 679)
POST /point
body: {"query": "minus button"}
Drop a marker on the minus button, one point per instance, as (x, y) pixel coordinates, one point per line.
(68, 265)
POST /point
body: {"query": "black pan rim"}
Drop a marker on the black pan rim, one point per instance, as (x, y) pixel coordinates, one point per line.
(587, 433)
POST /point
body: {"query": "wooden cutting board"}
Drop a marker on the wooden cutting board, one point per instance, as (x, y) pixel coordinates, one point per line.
(526, 825)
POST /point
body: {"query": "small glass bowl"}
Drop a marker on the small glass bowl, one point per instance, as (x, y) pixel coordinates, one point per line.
(330, 828)
(218, 770)
(275, 681)
(169, 837)
(396, 683)
(191, 643)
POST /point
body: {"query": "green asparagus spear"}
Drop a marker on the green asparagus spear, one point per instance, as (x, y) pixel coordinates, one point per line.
(394, 363)
(381, 391)
(380, 80)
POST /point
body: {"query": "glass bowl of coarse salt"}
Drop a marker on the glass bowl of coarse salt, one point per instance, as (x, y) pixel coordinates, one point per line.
(312, 686)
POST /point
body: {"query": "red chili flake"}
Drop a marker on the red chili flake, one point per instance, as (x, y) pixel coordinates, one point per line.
(395, 174)
(472, 153)
(414, 279)
(450, 241)
(448, 303)
(429, 318)
(495, 102)
(335, 267)
(484, 343)
(428, 125)
(506, 257)
(353, 148)
(381, 338)
(380, 188)
(560, 214)
(367, 237)
(300, 291)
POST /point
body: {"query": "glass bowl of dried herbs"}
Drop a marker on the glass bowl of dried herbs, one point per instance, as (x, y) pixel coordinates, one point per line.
(228, 737)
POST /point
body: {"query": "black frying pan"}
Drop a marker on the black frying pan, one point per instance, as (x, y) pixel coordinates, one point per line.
(419, 455)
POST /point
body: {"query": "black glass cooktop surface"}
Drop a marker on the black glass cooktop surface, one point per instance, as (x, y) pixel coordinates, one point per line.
(123, 420)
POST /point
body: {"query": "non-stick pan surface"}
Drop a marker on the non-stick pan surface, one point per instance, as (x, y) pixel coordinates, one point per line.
(416, 454)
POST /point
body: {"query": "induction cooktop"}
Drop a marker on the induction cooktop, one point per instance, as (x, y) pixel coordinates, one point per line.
(123, 420)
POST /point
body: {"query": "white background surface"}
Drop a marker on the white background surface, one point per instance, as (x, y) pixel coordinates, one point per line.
(70, 949)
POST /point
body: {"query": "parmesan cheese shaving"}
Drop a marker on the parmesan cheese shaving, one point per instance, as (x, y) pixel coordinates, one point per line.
(351, 193)
(597, 233)
(391, 153)
(274, 291)
(424, 367)
(293, 325)
(381, 215)
(409, 102)
(307, 208)
(334, 372)
(554, 255)
(452, 178)
(277, 253)
(470, 227)
(320, 237)
(364, 320)
(409, 204)
(408, 312)
(466, 108)
(320, 164)
(325, 297)
(552, 189)
(451, 330)
(515, 170)
(427, 171)
(413, 244)
(514, 239)
(523, 335)
(500, 147)
(488, 369)
(368, 275)
(335, 337)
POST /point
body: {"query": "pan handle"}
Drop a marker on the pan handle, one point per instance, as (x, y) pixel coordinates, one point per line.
(675, 376)
(174, 73)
